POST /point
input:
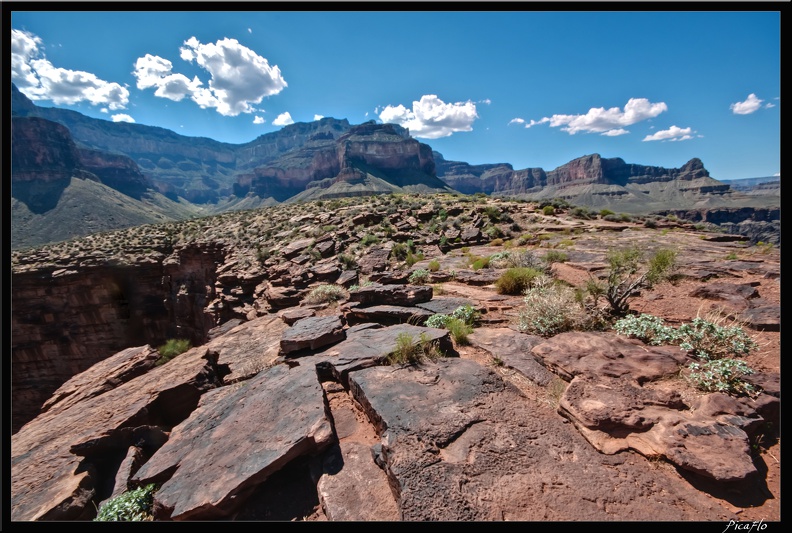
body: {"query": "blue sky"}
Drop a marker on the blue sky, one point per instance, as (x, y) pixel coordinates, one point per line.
(530, 88)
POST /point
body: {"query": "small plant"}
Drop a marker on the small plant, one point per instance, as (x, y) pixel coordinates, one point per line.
(516, 280)
(459, 330)
(369, 239)
(467, 314)
(722, 375)
(408, 351)
(434, 265)
(347, 261)
(549, 309)
(326, 293)
(438, 320)
(399, 251)
(732, 256)
(605, 212)
(171, 349)
(647, 328)
(412, 258)
(708, 340)
(628, 273)
(548, 210)
(132, 506)
(554, 256)
(419, 276)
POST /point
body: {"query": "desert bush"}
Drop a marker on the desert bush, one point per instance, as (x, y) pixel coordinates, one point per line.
(434, 265)
(516, 280)
(467, 314)
(647, 328)
(708, 340)
(438, 320)
(550, 308)
(459, 330)
(325, 293)
(419, 276)
(369, 239)
(628, 272)
(408, 351)
(606, 212)
(399, 251)
(722, 375)
(171, 349)
(347, 261)
(131, 506)
(548, 210)
(412, 258)
(554, 256)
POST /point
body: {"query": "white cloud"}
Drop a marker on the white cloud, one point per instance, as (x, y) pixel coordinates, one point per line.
(485, 101)
(674, 133)
(39, 79)
(258, 120)
(614, 132)
(284, 119)
(751, 104)
(432, 118)
(599, 119)
(122, 117)
(239, 76)
(516, 121)
(318, 117)
(535, 122)
(769, 105)
(250, 31)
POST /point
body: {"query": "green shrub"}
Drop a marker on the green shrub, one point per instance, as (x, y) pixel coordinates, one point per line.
(628, 272)
(467, 314)
(419, 276)
(722, 375)
(408, 351)
(434, 265)
(131, 506)
(399, 251)
(516, 280)
(438, 321)
(709, 341)
(647, 328)
(549, 309)
(325, 294)
(459, 330)
(548, 210)
(369, 239)
(606, 212)
(554, 256)
(478, 262)
(171, 349)
(413, 258)
(347, 261)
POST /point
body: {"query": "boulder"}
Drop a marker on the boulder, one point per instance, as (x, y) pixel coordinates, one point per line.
(312, 333)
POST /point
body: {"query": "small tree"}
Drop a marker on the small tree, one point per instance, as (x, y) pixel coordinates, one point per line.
(629, 273)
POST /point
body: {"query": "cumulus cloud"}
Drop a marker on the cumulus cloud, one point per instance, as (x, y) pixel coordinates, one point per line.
(748, 106)
(516, 121)
(614, 132)
(431, 118)
(239, 77)
(318, 117)
(674, 133)
(39, 79)
(600, 120)
(122, 117)
(284, 119)
(535, 122)
(258, 120)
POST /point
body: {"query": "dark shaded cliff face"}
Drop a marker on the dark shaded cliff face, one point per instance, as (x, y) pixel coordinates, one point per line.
(67, 319)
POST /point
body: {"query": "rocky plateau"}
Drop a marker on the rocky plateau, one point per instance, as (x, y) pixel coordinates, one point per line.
(291, 406)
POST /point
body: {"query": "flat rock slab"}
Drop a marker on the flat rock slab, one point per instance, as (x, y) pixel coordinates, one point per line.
(292, 315)
(459, 445)
(235, 440)
(368, 346)
(46, 483)
(514, 350)
(249, 347)
(607, 354)
(388, 314)
(445, 304)
(354, 488)
(376, 294)
(312, 333)
(478, 277)
(102, 377)
(615, 415)
(763, 317)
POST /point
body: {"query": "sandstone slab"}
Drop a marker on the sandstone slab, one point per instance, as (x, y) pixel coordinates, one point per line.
(514, 350)
(234, 441)
(312, 333)
(376, 294)
(388, 314)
